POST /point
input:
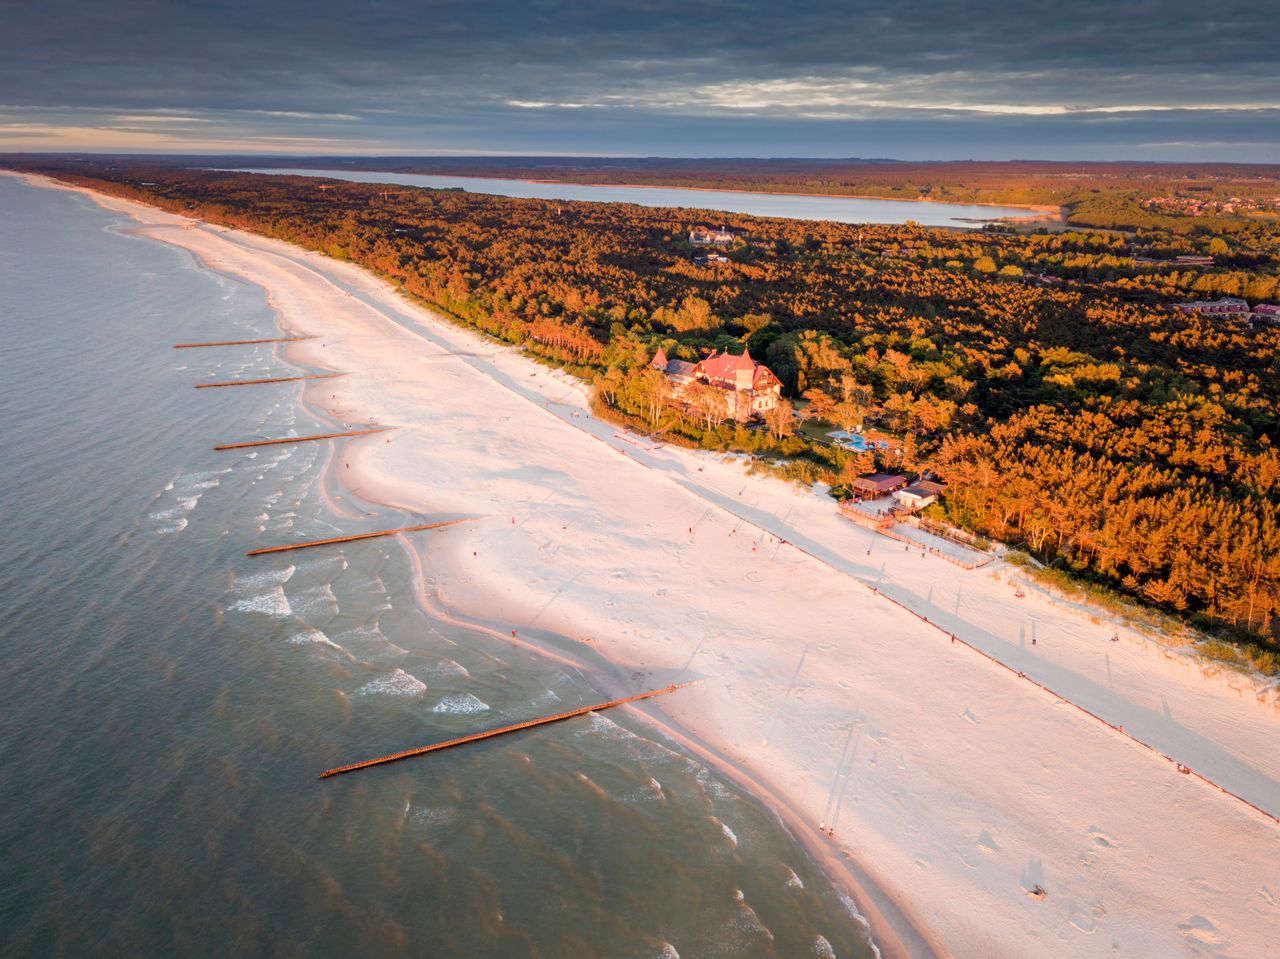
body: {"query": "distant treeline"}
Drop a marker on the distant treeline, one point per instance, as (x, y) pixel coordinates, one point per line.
(1095, 194)
(1042, 376)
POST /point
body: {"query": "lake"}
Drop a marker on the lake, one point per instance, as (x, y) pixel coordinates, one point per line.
(792, 206)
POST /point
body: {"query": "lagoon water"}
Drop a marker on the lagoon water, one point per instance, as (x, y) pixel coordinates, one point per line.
(166, 701)
(793, 206)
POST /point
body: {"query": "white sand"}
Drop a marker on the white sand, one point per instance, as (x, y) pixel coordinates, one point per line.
(953, 785)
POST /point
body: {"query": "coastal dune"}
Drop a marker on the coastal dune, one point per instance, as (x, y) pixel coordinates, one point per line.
(970, 812)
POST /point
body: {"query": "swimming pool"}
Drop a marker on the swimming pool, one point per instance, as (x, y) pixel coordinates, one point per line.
(854, 441)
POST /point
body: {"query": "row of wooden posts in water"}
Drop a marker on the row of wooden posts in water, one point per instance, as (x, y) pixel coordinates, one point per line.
(420, 750)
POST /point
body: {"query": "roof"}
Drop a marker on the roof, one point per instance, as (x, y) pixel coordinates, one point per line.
(725, 365)
(680, 368)
(764, 378)
(923, 488)
(882, 482)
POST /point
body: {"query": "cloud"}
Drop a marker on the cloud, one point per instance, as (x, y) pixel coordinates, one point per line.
(459, 72)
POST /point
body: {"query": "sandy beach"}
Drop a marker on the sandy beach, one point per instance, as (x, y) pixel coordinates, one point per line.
(952, 787)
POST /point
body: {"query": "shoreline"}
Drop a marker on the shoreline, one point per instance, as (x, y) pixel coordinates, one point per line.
(757, 703)
(868, 903)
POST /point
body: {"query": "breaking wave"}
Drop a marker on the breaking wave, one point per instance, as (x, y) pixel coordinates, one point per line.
(395, 683)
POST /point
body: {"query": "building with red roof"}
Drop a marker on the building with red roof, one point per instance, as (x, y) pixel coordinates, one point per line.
(750, 388)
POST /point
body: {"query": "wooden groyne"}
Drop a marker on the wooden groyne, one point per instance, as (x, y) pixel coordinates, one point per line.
(277, 339)
(274, 379)
(351, 539)
(302, 439)
(489, 734)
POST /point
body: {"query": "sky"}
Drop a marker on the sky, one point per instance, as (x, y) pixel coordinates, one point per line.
(1144, 80)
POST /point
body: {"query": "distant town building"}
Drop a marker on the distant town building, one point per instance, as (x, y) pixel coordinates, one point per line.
(710, 258)
(709, 236)
(750, 389)
(1185, 260)
(1228, 306)
(1268, 313)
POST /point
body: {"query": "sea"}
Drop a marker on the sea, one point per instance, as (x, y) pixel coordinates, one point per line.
(837, 209)
(166, 702)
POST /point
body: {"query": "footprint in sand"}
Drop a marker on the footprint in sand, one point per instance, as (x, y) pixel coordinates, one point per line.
(1083, 921)
(984, 845)
(1202, 885)
(1100, 838)
(1200, 929)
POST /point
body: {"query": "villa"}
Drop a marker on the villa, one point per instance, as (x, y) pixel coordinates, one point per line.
(707, 236)
(750, 389)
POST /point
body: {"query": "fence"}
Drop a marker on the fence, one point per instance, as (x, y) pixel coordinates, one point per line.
(883, 524)
(1116, 727)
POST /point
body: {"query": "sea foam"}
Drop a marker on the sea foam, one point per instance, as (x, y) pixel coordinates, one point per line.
(313, 636)
(728, 833)
(434, 816)
(271, 603)
(265, 578)
(395, 683)
(316, 601)
(461, 704)
(822, 948)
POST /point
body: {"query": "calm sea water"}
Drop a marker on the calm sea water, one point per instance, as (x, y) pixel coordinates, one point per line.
(836, 209)
(166, 701)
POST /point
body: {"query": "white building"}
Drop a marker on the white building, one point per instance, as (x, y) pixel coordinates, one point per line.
(918, 495)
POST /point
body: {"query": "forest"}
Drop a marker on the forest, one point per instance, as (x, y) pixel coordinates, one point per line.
(1043, 376)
